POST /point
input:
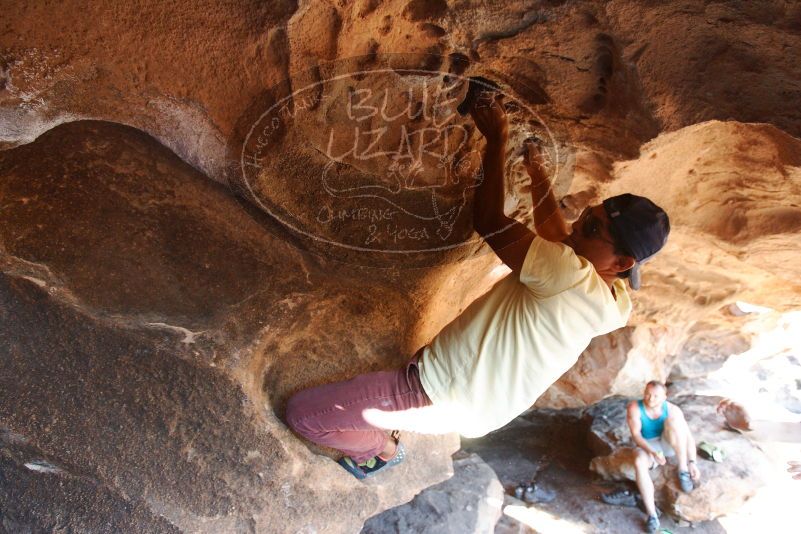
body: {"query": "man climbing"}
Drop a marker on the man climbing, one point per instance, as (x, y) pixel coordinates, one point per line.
(659, 430)
(493, 361)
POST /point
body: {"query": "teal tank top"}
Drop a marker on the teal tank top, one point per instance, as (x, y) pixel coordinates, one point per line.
(652, 428)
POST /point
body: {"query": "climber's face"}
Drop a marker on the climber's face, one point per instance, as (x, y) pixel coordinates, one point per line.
(654, 395)
(591, 239)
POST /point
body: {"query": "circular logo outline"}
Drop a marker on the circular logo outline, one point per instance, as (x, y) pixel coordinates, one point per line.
(406, 71)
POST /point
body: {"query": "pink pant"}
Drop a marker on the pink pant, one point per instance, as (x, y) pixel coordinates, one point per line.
(331, 414)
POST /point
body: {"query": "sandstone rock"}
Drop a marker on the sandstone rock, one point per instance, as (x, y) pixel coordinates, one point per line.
(615, 364)
(223, 286)
(619, 465)
(706, 350)
(608, 429)
(590, 379)
(469, 502)
(724, 486)
(153, 329)
(689, 54)
(705, 166)
(58, 495)
(613, 76)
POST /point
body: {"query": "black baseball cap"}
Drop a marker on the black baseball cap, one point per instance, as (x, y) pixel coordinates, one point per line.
(639, 227)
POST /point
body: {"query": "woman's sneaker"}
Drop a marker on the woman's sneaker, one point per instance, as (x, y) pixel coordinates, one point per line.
(373, 465)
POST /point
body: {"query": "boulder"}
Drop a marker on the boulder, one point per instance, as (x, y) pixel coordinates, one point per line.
(618, 465)
(468, 502)
(724, 486)
(608, 430)
(152, 331)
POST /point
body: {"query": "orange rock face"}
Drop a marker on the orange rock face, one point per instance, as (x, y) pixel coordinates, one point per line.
(304, 213)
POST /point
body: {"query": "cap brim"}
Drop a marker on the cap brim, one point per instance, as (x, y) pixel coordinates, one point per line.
(635, 278)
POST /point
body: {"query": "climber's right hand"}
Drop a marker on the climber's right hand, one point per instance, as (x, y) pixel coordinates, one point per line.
(490, 117)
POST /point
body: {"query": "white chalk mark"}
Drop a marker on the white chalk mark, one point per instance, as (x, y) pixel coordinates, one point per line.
(189, 336)
(39, 282)
(40, 466)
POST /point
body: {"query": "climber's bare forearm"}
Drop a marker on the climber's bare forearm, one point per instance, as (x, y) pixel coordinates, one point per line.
(488, 216)
(509, 239)
(549, 222)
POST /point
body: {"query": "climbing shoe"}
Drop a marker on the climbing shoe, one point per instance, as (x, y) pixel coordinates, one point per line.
(652, 524)
(685, 481)
(534, 493)
(373, 465)
(621, 497)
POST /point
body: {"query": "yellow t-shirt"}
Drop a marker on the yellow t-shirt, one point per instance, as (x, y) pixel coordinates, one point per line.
(493, 361)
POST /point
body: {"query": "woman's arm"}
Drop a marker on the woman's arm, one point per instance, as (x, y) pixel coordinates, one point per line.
(509, 238)
(548, 219)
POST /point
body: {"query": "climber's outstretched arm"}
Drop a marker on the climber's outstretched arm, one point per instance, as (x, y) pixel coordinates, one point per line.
(549, 222)
(509, 238)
